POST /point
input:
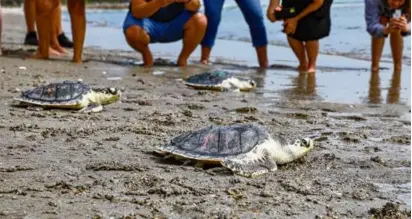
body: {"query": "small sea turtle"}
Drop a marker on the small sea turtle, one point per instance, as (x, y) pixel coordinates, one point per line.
(246, 149)
(221, 81)
(74, 95)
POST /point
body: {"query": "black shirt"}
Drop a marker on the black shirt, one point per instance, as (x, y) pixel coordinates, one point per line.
(167, 13)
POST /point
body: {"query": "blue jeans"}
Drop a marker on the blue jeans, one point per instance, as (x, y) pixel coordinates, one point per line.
(252, 12)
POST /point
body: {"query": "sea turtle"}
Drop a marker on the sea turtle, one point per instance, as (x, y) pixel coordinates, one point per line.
(74, 95)
(246, 149)
(221, 81)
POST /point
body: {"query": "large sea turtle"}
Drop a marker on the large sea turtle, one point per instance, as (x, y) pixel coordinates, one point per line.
(221, 81)
(74, 95)
(246, 149)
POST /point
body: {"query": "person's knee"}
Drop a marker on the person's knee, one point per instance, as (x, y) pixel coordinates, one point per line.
(199, 21)
(395, 34)
(135, 34)
(46, 6)
(76, 7)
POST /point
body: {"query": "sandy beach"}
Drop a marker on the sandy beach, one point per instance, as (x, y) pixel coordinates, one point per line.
(61, 164)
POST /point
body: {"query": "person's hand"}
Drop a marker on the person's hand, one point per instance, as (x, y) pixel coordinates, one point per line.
(389, 30)
(164, 3)
(290, 25)
(270, 13)
(400, 24)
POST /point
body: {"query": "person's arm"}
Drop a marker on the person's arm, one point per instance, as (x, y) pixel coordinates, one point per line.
(373, 26)
(192, 5)
(315, 5)
(142, 9)
(270, 13)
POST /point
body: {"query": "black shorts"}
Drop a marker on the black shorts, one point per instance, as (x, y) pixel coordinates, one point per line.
(312, 27)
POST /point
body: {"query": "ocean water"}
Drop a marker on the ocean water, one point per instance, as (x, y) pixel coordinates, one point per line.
(348, 35)
(343, 65)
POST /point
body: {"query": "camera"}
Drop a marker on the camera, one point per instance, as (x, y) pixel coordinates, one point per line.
(397, 14)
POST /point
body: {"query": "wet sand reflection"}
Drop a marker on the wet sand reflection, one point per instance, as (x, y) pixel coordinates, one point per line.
(375, 92)
(304, 88)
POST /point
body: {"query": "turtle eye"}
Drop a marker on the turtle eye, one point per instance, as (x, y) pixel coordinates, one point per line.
(112, 90)
(305, 143)
(252, 83)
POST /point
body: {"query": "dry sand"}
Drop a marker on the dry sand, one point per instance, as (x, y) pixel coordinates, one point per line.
(59, 164)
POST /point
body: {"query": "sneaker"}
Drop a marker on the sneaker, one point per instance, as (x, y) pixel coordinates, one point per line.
(31, 39)
(64, 41)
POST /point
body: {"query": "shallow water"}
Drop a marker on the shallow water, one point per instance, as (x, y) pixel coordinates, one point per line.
(340, 78)
(348, 35)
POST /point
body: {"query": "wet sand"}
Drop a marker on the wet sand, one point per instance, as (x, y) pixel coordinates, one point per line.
(59, 164)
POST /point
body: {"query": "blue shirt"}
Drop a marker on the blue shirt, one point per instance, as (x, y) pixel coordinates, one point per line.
(372, 16)
(374, 9)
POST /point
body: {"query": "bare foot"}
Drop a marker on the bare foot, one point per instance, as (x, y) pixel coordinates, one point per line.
(375, 68)
(302, 68)
(264, 65)
(204, 62)
(59, 49)
(311, 69)
(54, 52)
(77, 61)
(38, 56)
(182, 63)
(147, 64)
(397, 68)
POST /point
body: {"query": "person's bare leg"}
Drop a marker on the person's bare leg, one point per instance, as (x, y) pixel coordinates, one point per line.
(396, 40)
(312, 50)
(299, 49)
(205, 55)
(139, 40)
(56, 28)
(44, 12)
(59, 28)
(78, 20)
(262, 56)
(30, 14)
(194, 30)
(1, 26)
(377, 47)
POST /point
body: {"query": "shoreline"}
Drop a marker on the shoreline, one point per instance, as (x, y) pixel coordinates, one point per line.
(332, 70)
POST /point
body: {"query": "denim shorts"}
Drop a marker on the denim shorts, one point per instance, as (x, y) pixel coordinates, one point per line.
(160, 32)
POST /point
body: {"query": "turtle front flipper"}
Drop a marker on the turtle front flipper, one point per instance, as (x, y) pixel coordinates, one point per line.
(230, 87)
(250, 166)
(92, 108)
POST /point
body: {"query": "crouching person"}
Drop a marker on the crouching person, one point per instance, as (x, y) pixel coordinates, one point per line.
(383, 18)
(164, 21)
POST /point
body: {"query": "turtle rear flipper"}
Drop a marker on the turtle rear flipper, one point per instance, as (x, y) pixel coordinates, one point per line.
(92, 108)
(250, 166)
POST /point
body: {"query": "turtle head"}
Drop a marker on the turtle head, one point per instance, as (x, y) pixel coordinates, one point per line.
(302, 146)
(107, 95)
(246, 84)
